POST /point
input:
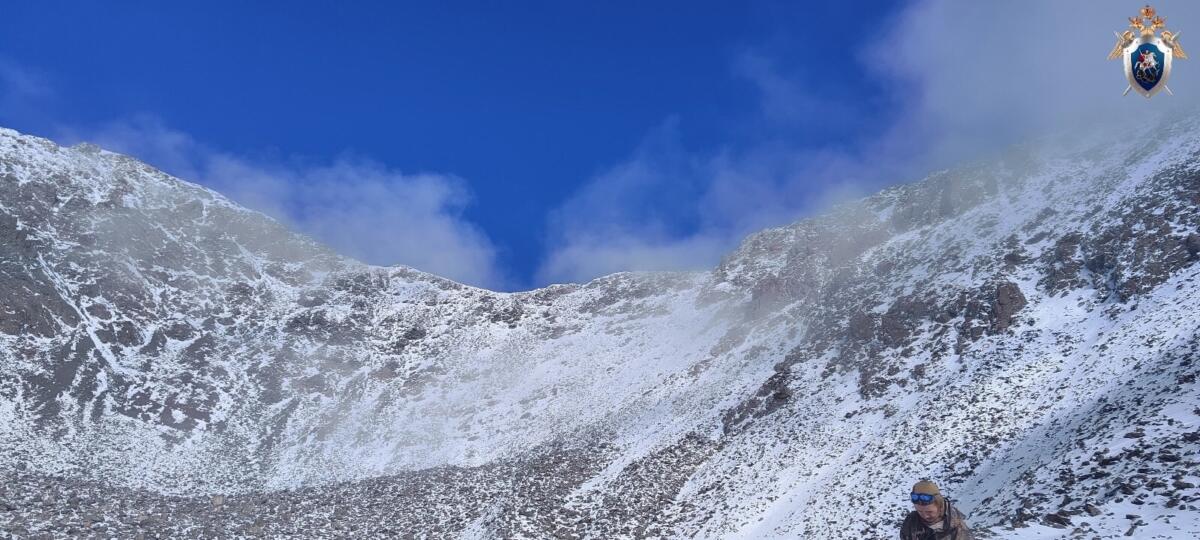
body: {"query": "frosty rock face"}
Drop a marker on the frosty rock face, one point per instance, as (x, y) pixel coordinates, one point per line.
(1001, 327)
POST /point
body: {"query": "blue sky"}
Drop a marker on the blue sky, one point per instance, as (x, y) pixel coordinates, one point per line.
(513, 145)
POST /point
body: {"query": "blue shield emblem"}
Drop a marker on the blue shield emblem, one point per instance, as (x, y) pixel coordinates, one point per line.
(1147, 48)
(1148, 64)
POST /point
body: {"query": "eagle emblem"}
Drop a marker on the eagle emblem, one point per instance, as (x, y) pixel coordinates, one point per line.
(1147, 53)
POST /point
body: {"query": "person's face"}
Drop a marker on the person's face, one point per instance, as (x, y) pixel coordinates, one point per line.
(929, 512)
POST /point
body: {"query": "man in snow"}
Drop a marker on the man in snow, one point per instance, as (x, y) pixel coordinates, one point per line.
(933, 518)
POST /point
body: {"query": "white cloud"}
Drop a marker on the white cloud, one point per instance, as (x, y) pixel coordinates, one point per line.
(980, 74)
(356, 206)
(21, 91)
(667, 209)
(591, 256)
(622, 220)
(796, 99)
(967, 79)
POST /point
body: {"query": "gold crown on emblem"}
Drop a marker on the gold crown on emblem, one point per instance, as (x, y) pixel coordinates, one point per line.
(1147, 22)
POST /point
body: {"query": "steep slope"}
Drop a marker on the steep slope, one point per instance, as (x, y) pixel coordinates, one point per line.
(1022, 330)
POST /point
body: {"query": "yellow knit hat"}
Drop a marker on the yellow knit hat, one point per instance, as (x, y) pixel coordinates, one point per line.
(929, 488)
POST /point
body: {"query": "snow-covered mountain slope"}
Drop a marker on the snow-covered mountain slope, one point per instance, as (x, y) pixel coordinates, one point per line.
(1023, 330)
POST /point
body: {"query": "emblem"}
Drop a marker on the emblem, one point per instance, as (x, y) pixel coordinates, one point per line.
(1146, 53)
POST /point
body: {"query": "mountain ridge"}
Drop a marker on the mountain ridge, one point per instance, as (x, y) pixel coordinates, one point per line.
(715, 404)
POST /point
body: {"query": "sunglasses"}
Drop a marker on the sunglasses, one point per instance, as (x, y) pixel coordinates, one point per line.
(922, 499)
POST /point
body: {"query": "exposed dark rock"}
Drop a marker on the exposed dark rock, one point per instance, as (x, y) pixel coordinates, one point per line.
(862, 327)
(1057, 520)
(205, 326)
(773, 394)
(1008, 301)
(1192, 243)
(415, 333)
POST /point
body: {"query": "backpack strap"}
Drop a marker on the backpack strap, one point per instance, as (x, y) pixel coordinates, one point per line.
(946, 515)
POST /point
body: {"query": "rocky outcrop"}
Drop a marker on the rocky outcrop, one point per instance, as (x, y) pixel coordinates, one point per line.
(1003, 319)
(1008, 301)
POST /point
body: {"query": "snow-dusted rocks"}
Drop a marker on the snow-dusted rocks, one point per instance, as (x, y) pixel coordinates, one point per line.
(1023, 330)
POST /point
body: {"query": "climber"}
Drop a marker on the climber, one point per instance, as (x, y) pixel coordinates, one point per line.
(933, 518)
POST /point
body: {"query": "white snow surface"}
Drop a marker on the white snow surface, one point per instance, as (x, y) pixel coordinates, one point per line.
(439, 374)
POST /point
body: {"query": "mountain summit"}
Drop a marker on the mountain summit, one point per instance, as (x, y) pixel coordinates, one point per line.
(1023, 330)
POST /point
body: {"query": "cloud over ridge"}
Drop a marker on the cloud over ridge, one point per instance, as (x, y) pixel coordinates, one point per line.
(961, 80)
(361, 208)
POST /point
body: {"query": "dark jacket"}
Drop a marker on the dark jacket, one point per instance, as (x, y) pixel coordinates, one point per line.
(953, 526)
